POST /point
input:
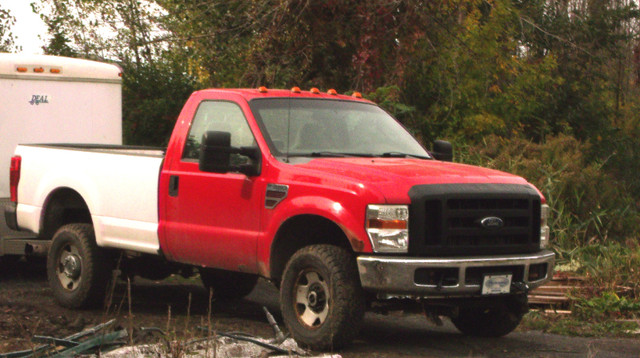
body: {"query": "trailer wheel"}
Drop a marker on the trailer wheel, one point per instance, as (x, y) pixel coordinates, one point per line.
(77, 269)
(321, 298)
(494, 321)
(228, 285)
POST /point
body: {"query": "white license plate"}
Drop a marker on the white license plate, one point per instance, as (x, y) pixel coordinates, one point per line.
(496, 284)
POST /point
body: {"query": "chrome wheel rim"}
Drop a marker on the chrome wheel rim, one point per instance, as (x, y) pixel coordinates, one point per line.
(69, 267)
(311, 299)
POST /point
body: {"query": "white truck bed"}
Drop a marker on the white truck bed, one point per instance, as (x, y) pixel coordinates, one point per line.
(119, 185)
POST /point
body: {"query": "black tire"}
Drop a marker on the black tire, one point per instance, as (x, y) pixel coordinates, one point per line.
(321, 298)
(494, 321)
(228, 285)
(77, 269)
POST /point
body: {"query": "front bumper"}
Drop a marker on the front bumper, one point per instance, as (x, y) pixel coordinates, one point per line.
(452, 276)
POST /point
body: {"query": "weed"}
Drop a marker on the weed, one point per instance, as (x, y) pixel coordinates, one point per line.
(611, 268)
(579, 327)
(130, 315)
(606, 305)
(572, 325)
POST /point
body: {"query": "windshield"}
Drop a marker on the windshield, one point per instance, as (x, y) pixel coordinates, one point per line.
(332, 128)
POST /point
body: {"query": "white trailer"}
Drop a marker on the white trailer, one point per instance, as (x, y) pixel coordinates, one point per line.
(51, 99)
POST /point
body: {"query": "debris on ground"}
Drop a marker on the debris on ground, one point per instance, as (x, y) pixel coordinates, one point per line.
(104, 341)
(220, 346)
(95, 339)
(635, 331)
(555, 291)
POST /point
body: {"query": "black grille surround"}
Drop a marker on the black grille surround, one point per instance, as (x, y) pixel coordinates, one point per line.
(446, 219)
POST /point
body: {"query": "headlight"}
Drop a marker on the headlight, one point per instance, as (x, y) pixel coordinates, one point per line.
(388, 228)
(544, 226)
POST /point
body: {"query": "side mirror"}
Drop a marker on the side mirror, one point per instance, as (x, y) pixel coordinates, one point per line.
(442, 150)
(215, 155)
(215, 152)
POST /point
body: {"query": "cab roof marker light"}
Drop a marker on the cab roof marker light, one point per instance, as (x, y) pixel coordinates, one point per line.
(314, 90)
(55, 70)
(332, 92)
(295, 89)
(262, 89)
(21, 69)
(38, 70)
(356, 94)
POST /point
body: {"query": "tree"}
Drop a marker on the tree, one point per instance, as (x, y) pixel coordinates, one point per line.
(345, 45)
(59, 44)
(472, 71)
(7, 41)
(156, 79)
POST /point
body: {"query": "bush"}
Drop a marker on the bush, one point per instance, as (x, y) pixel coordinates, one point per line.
(614, 268)
(152, 96)
(588, 204)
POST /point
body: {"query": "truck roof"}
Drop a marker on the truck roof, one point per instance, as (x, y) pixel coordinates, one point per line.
(56, 68)
(262, 92)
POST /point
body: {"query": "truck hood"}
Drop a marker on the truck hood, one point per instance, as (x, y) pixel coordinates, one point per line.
(394, 177)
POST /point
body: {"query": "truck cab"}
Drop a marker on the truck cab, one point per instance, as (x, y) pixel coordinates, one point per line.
(291, 172)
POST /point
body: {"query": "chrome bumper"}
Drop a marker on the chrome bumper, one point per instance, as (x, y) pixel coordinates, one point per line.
(397, 276)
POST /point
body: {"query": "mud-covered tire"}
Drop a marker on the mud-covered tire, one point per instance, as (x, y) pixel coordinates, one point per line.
(321, 298)
(494, 321)
(77, 269)
(228, 285)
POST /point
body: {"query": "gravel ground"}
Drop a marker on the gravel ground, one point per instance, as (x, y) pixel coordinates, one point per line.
(27, 308)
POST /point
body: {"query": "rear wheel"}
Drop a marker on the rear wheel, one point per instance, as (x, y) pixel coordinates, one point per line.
(321, 298)
(77, 269)
(228, 285)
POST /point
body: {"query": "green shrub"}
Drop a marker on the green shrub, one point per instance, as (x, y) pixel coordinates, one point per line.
(606, 305)
(611, 268)
(588, 204)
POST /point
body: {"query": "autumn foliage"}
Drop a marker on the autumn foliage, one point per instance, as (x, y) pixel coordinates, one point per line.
(544, 88)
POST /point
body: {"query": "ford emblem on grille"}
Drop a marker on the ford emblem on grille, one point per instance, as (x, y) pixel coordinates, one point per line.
(492, 223)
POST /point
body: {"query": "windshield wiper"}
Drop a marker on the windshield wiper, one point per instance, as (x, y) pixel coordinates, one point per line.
(402, 155)
(339, 154)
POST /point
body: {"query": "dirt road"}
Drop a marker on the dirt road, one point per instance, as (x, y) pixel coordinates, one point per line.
(27, 308)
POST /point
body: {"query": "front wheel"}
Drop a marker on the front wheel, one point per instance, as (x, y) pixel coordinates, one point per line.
(321, 298)
(493, 321)
(77, 269)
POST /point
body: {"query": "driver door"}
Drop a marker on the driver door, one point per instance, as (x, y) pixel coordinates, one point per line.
(212, 219)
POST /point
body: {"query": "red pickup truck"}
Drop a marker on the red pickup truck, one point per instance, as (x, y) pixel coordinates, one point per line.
(326, 195)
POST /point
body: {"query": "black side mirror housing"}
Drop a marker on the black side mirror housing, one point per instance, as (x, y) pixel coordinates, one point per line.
(215, 152)
(442, 150)
(215, 155)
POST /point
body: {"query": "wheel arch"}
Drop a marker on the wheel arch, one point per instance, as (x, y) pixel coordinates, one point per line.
(301, 231)
(63, 206)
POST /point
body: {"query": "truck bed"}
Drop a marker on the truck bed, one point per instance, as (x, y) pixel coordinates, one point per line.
(119, 185)
(106, 148)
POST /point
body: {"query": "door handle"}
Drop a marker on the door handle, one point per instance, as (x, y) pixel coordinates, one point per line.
(174, 181)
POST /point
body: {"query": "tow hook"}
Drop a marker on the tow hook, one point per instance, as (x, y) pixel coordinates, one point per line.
(520, 287)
